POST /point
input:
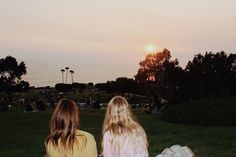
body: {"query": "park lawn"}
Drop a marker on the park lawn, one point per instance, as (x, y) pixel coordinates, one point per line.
(23, 135)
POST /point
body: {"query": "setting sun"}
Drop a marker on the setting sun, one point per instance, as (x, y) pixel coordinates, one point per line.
(150, 48)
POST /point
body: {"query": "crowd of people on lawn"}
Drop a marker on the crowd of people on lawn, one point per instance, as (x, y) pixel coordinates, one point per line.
(30, 105)
(122, 135)
(34, 106)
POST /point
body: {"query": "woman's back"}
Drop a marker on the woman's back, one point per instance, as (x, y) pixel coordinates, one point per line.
(84, 147)
(127, 145)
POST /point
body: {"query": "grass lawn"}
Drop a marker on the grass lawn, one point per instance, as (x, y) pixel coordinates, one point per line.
(23, 135)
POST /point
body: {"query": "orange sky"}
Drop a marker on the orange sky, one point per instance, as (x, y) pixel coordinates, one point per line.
(102, 40)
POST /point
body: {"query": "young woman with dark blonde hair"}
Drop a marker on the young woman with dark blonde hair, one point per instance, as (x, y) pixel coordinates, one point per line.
(65, 138)
(123, 136)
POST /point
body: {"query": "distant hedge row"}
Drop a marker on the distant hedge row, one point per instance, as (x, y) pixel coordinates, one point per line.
(211, 112)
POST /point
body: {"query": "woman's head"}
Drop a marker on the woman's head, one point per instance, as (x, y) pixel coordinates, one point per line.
(118, 116)
(65, 117)
(64, 123)
(120, 121)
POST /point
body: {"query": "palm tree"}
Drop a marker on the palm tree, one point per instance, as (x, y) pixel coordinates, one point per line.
(62, 72)
(67, 68)
(71, 72)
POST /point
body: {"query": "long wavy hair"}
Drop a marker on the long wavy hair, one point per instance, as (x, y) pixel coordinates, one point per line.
(63, 125)
(119, 121)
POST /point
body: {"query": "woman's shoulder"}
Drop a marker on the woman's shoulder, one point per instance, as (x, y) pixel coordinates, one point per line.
(84, 133)
(107, 134)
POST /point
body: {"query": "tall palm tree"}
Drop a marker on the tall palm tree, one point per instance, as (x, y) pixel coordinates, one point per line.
(71, 72)
(62, 72)
(67, 68)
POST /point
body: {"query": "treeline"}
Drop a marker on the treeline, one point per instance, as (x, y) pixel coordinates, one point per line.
(121, 85)
(206, 76)
(62, 87)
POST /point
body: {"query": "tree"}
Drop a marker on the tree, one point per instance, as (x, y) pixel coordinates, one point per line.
(22, 86)
(160, 74)
(126, 85)
(75, 85)
(90, 85)
(61, 87)
(11, 73)
(62, 72)
(72, 72)
(83, 87)
(211, 75)
(67, 68)
(151, 68)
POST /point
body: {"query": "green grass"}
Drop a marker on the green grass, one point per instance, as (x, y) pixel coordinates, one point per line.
(24, 134)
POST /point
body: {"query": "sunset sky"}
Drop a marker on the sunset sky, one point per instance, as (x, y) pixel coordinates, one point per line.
(103, 39)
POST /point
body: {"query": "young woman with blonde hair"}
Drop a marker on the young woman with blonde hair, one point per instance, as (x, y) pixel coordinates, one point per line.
(122, 135)
(65, 138)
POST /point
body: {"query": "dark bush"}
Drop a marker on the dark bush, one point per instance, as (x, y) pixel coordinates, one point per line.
(211, 112)
(136, 99)
(61, 87)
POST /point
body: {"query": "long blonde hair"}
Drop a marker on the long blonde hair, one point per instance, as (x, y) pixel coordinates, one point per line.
(63, 125)
(119, 120)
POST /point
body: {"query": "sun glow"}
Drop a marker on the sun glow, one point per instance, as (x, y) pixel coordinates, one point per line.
(150, 48)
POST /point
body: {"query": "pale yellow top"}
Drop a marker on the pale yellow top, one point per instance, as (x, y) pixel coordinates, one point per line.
(90, 149)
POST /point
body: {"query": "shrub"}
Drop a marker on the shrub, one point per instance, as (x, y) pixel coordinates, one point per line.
(208, 112)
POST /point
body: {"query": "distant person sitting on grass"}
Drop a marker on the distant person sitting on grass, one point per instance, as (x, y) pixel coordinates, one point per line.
(156, 104)
(123, 136)
(40, 105)
(28, 105)
(65, 138)
(3, 105)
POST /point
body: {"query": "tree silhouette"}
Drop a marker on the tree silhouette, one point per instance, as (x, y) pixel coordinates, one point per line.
(62, 72)
(206, 76)
(152, 66)
(160, 74)
(72, 72)
(10, 73)
(21, 86)
(67, 68)
(211, 75)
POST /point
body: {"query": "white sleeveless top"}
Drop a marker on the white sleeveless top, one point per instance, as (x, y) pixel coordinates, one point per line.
(130, 148)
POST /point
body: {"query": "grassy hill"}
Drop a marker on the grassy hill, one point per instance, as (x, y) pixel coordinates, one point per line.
(24, 134)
